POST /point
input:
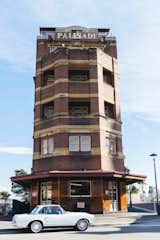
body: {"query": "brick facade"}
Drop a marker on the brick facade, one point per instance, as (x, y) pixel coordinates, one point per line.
(81, 56)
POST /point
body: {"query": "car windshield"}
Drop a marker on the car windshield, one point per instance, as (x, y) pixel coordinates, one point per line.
(35, 210)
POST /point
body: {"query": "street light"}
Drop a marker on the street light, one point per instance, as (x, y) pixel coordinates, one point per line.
(154, 155)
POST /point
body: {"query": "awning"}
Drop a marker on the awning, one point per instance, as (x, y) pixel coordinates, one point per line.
(129, 178)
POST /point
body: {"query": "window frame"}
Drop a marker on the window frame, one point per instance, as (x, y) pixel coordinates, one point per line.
(75, 196)
(47, 139)
(112, 144)
(44, 113)
(109, 81)
(81, 78)
(113, 115)
(47, 186)
(44, 80)
(79, 108)
(79, 148)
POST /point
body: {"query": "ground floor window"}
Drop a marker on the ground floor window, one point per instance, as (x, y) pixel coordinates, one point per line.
(113, 189)
(46, 193)
(80, 188)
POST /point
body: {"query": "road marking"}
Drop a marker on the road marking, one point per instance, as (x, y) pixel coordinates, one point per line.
(144, 209)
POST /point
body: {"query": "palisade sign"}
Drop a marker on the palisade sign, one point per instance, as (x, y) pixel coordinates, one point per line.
(77, 35)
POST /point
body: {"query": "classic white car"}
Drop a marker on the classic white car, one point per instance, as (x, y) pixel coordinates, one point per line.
(44, 216)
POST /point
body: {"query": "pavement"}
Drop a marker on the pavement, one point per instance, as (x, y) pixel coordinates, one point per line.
(117, 226)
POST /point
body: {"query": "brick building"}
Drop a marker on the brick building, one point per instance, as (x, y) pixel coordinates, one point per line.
(78, 160)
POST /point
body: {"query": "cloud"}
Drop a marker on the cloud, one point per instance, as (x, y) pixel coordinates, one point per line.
(5, 189)
(16, 150)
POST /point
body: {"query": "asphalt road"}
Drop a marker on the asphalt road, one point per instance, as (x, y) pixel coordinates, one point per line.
(129, 226)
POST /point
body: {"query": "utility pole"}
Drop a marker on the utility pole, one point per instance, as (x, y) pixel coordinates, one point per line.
(154, 155)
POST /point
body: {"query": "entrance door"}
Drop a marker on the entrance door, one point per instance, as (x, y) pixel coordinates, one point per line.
(46, 193)
(113, 188)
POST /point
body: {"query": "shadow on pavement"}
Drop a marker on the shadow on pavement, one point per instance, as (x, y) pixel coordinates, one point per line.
(143, 224)
(22, 231)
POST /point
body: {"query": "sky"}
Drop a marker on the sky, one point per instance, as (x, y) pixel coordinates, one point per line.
(136, 26)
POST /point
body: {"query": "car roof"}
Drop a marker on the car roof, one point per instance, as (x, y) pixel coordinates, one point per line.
(48, 205)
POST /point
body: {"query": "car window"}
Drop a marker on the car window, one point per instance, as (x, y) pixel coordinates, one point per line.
(43, 210)
(53, 210)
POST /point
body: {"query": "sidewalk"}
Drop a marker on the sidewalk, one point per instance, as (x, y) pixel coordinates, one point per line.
(121, 218)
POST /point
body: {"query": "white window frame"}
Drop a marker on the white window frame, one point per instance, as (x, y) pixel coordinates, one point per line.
(85, 143)
(111, 146)
(75, 196)
(47, 142)
(79, 146)
(74, 143)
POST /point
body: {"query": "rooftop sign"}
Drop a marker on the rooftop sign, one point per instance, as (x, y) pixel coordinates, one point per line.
(78, 35)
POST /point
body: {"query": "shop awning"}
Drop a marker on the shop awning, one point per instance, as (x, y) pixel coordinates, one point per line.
(129, 178)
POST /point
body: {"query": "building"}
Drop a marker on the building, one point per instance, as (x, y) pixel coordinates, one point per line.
(78, 160)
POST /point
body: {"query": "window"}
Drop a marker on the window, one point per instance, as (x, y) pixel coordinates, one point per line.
(48, 110)
(50, 210)
(79, 143)
(85, 143)
(108, 77)
(111, 145)
(46, 193)
(78, 75)
(48, 77)
(74, 143)
(79, 108)
(80, 188)
(109, 110)
(47, 146)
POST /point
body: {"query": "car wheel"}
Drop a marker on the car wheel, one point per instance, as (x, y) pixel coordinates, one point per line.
(82, 225)
(36, 227)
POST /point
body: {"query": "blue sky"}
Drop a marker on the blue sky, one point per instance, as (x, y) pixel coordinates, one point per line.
(136, 25)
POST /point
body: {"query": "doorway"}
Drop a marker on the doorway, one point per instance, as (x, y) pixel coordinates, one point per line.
(113, 189)
(46, 193)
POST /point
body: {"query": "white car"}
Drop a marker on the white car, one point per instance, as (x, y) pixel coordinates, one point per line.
(44, 216)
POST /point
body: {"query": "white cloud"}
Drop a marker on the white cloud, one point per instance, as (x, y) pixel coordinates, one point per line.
(16, 150)
(2, 188)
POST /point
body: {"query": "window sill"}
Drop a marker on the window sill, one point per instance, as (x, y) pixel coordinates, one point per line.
(46, 86)
(79, 152)
(47, 118)
(79, 81)
(46, 155)
(78, 196)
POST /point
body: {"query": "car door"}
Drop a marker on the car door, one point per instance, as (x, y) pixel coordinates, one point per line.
(55, 217)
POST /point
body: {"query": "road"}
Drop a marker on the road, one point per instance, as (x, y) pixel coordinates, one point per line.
(131, 226)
